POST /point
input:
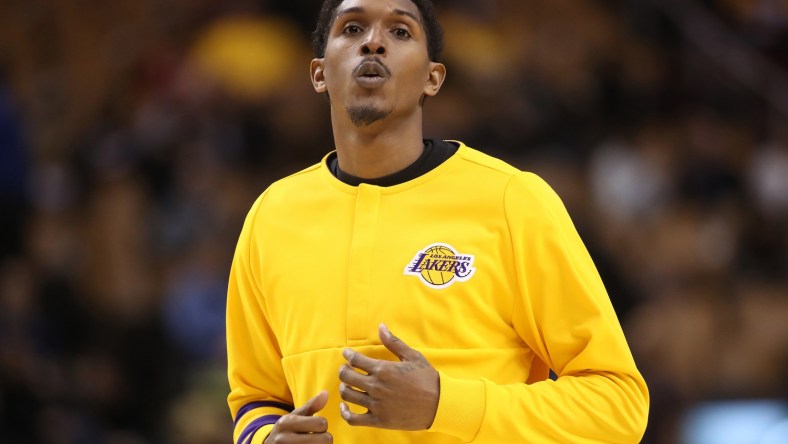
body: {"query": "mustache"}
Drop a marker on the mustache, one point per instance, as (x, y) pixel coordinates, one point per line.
(373, 59)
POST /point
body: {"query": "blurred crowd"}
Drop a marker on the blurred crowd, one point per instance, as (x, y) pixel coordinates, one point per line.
(134, 136)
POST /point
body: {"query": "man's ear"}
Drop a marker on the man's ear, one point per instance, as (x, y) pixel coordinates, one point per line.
(317, 73)
(435, 79)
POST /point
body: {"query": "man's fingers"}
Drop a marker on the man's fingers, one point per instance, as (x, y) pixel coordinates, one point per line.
(354, 419)
(354, 396)
(312, 406)
(311, 438)
(360, 361)
(353, 378)
(302, 424)
(395, 345)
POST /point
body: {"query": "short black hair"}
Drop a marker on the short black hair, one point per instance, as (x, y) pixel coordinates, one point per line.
(328, 13)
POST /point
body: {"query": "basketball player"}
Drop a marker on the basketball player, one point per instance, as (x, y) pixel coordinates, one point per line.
(406, 290)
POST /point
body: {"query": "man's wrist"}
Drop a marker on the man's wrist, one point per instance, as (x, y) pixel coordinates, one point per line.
(262, 434)
(461, 407)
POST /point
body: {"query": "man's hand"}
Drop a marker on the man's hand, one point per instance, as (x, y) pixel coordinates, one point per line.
(398, 395)
(301, 425)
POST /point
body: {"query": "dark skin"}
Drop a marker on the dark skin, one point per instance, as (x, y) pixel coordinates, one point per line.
(301, 425)
(397, 395)
(386, 38)
(376, 72)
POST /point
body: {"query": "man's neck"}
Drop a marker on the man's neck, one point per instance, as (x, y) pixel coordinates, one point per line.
(377, 150)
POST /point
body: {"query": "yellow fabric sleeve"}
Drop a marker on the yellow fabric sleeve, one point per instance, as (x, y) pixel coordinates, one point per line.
(564, 314)
(262, 434)
(254, 363)
(460, 407)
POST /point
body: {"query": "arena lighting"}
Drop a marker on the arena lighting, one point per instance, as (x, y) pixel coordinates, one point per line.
(736, 422)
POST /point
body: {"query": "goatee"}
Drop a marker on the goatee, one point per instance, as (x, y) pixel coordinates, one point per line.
(365, 115)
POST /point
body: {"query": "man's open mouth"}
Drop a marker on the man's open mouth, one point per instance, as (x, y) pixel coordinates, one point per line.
(372, 69)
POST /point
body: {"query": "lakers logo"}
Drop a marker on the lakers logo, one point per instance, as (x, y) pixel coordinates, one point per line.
(440, 265)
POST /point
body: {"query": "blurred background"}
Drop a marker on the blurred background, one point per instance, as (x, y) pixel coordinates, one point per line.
(135, 135)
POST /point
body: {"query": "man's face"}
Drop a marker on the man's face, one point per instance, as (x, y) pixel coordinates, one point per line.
(376, 62)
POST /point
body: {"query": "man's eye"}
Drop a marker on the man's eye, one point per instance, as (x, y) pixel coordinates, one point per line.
(402, 33)
(351, 29)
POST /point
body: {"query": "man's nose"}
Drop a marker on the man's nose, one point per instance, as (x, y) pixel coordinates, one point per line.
(374, 43)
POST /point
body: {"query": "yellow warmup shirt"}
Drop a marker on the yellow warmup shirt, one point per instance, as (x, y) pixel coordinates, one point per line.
(475, 264)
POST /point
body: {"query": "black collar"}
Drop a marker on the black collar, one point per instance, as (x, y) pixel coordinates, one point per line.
(435, 153)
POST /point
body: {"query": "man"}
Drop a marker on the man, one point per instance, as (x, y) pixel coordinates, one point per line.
(474, 265)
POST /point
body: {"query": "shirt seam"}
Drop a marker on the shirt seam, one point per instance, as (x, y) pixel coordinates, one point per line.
(252, 230)
(342, 347)
(498, 169)
(518, 275)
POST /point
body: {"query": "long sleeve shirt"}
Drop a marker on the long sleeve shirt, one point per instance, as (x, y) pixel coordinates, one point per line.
(476, 264)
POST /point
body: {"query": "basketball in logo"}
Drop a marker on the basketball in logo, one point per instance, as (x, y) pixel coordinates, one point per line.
(440, 265)
(436, 277)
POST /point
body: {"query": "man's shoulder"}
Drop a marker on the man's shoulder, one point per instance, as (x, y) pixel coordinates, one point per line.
(292, 186)
(479, 159)
(518, 181)
(298, 178)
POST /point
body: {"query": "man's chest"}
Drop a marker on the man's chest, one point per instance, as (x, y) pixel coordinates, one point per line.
(330, 279)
